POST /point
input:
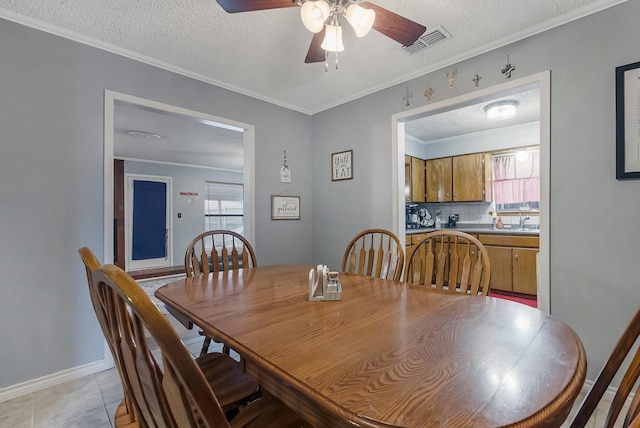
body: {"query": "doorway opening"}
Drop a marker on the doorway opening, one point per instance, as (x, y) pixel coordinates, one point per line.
(184, 199)
(542, 82)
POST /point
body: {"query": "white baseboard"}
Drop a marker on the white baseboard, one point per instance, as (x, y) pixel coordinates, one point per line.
(34, 385)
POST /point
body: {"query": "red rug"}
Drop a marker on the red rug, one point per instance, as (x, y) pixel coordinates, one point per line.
(529, 302)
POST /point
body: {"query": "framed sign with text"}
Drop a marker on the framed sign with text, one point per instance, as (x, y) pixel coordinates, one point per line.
(285, 207)
(342, 165)
(628, 121)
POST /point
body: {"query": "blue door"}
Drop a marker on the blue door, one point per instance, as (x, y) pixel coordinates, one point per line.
(149, 229)
(148, 215)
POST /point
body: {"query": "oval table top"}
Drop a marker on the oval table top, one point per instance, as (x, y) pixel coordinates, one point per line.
(389, 354)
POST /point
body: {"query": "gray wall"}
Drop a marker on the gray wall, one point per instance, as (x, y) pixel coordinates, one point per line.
(594, 273)
(185, 179)
(51, 186)
(51, 122)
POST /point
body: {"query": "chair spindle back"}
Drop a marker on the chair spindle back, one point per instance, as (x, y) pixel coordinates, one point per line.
(450, 260)
(374, 252)
(218, 250)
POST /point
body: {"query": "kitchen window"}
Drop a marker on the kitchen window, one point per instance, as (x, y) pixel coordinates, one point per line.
(223, 207)
(516, 180)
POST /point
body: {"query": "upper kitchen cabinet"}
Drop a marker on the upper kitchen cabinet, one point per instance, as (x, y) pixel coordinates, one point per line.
(414, 174)
(472, 177)
(465, 178)
(439, 180)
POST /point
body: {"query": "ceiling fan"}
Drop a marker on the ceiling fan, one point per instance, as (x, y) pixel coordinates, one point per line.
(321, 18)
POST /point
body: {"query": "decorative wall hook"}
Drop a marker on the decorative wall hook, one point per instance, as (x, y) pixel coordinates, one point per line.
(476, 79)
(508, 69)
(407, 97)
(285, 171)
(451, 77)
(429, 92)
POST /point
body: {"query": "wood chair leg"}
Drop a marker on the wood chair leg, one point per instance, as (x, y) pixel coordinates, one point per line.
(125, 418)
(205, 346)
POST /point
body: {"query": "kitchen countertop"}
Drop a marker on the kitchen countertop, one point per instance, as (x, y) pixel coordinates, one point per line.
(479, 228)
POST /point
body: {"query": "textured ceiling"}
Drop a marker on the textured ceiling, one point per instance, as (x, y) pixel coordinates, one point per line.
(473, 118)
(180, 139)
(262, 53)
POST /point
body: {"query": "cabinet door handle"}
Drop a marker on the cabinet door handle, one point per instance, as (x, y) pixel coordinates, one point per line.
(515, 256)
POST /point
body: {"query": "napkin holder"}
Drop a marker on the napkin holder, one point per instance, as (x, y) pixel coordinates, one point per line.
(324, 285)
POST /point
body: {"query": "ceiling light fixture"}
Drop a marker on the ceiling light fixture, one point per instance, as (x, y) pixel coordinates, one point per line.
(322, 14)
(501, 110)
(143, 135)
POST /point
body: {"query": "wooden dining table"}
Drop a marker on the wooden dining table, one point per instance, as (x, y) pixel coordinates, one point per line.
(389, 354)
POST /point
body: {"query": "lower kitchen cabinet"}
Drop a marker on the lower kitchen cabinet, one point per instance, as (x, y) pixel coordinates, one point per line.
(513, 262)
(501, 259)
(525, 277)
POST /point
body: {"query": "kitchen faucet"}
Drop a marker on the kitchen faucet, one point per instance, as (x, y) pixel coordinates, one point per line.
(523, 220)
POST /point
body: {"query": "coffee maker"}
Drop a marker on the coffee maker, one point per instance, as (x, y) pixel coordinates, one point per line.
(412, 220)
(453, 221)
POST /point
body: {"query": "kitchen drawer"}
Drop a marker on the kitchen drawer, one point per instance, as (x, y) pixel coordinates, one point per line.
(417, 238)
(510, 240)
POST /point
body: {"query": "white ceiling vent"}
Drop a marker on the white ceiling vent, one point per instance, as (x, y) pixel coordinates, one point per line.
(428, 39)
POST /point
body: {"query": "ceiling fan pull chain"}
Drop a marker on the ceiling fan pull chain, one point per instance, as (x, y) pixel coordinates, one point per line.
(326, 61)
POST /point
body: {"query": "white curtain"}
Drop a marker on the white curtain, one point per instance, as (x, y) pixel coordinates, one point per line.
(515, 181)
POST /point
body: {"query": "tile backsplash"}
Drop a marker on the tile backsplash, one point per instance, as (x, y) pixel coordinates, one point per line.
(473, 212)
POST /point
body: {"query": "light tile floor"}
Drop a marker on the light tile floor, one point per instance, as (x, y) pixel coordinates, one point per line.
(91, 401)
(88, 402)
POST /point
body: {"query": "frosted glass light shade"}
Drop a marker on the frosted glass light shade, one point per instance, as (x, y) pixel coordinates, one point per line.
(522, 155)
(333, 39)
(501, 110)
(313, 14)
(361, 19)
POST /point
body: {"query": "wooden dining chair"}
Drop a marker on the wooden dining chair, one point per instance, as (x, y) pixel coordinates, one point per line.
(125, 413)
(620, 352)
(173, 390)
(374, 252)
(216, 251)
(233, 387)
(450, 260)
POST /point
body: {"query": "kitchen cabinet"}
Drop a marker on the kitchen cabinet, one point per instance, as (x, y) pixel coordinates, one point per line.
(471, 174)
(513, 262)
(414, 176)
(439, 180)
(465, 178)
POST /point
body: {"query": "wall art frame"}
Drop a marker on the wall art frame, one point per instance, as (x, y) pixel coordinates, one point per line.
(285, 207)
(628, 121)
(342, 165)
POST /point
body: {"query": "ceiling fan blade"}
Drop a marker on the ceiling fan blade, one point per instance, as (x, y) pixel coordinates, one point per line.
(316, 53)
(399, 28)
(233, 6)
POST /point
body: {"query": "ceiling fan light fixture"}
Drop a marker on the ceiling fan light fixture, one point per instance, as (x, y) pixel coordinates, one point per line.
(361, 19)
(501, 110)
(314, 14)
(332, 39)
